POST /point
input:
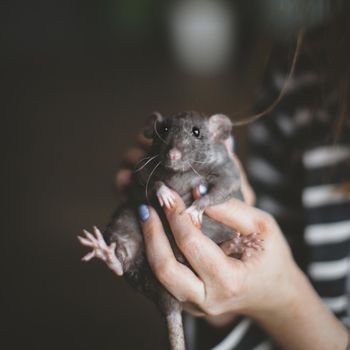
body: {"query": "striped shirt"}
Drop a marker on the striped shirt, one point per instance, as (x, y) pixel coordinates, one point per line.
(296, 170)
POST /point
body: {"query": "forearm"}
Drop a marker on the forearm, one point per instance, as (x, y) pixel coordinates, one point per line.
(304, 322)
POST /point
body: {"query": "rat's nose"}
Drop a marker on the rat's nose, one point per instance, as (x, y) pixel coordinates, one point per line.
(174, 154)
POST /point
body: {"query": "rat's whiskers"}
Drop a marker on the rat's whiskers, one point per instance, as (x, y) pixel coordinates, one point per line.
(149, 178)
(194, 170)
(197, 161)
(142, 159)
(148, 161)
(156, 131)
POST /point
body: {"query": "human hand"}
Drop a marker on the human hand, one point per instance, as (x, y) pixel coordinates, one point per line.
(218, 284)
(131, 159)
(267, 286)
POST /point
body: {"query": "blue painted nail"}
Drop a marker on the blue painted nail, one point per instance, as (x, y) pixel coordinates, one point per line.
(203, 189)
(143, 212)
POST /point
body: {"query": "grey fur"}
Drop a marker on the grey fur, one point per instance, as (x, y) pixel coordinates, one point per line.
(204, 161)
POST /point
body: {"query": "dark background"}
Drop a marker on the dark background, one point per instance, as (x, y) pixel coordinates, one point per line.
(79, 78)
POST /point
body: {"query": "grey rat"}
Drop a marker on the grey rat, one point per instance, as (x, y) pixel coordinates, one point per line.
(187, 151)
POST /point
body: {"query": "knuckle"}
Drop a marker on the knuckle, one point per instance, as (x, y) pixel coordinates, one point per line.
(188, 243)
(165, 271)
(134, 154)
(229, 291)
(228, 288)
(211, 309)
(233, 205)
(148, 229)
(264, 223)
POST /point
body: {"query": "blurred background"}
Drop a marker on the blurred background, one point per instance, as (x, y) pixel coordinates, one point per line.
(79, 78)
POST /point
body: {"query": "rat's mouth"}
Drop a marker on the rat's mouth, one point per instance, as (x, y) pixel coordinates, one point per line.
(176, 165)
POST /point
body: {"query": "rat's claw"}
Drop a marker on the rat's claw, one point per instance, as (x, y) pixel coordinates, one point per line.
(101, 250)
(160, 201)
(112, 261)
(89, 256)
(195, 214)
(86, 242)
(90, 236)
(165, 197)
(99, 237)
(240, 246)
(115, 265)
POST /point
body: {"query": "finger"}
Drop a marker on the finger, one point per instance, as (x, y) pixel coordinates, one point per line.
(133, 155)
(88, 256)
(177, 278)
(230, 144)
(195, 193)
(201, 252)
(193, 309)
(143, 141)
(123, 178)
(242, 217)
(199, 191)
(248, 193)
(86, 242)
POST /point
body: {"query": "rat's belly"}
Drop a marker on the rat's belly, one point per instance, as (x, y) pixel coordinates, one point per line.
(183, 184)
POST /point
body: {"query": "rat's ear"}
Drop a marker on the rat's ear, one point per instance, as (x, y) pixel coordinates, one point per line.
(155, 117)
(220, 127)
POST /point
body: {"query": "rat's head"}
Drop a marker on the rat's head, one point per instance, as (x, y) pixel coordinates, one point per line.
(186, 139)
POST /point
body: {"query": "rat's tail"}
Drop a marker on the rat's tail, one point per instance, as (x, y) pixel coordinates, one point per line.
(175, 329)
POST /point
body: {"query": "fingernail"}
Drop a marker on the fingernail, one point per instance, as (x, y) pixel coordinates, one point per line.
(203, 189)
(143, 212)
(232, 143)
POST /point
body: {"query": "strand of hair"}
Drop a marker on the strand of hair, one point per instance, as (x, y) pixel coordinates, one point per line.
(257, 116)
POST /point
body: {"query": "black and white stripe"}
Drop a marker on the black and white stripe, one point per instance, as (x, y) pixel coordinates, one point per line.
(296, 171)
(327, 231)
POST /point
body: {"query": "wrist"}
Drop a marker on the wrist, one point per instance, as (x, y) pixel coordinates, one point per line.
(300, 320)
(289, 298)
(293, 295)
(285, 295)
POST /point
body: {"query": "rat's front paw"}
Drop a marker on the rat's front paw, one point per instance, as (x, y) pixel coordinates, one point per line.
(165, 196)
(101, 250)
(242, 246)
(195, 214)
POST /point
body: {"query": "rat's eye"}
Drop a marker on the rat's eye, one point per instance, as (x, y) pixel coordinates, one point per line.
(165, 129)
(196, 132)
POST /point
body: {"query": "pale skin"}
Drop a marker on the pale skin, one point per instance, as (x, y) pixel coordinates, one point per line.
(267, 286)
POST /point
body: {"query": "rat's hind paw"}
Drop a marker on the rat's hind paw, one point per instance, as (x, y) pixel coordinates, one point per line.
(101, 250)
(165, 197)
(195, 214)
(242, 246)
